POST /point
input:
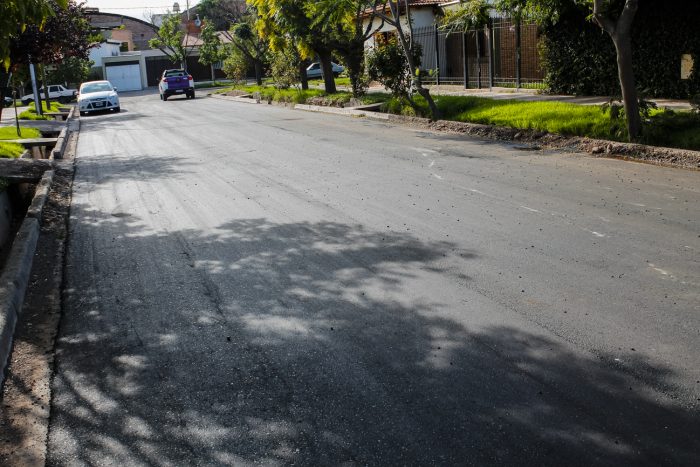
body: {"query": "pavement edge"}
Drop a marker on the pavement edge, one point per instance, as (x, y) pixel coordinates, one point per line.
(15, 276)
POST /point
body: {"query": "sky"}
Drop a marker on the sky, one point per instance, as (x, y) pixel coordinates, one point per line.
(137, 8)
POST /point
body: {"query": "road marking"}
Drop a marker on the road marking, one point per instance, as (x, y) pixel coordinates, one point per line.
(477, 191)
(529, 209)
(437, 176)
(597, 234)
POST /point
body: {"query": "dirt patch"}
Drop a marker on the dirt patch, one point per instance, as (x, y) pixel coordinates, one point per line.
(600, 148)
(236, 93)
(26, 393)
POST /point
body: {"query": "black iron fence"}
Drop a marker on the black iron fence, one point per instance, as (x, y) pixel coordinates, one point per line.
(502, 54)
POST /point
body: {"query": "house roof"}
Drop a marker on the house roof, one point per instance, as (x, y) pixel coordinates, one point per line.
(194, 40)
(412, 3)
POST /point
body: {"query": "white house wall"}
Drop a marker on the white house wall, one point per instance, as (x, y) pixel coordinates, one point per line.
(422, 17)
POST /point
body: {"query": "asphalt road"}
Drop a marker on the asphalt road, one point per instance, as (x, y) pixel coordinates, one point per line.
(248, 284)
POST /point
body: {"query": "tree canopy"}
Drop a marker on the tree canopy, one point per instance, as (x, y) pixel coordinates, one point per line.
(17, 15)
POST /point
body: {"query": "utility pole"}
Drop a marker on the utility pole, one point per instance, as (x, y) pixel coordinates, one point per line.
(37, 102)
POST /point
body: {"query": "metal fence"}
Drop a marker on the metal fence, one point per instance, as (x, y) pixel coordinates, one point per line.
(503, 54)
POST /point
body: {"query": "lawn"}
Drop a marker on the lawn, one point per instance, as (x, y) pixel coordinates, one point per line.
(15, 150)
(663, 128)
(300, 96)
(341, 81)
(30, 114)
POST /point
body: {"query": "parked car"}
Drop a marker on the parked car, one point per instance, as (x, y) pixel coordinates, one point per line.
(56, 92)
(8, 102)
(313, 71)
(176, 81)
(97, 95)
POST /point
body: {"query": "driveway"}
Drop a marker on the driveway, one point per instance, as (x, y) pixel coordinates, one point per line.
(248, 284)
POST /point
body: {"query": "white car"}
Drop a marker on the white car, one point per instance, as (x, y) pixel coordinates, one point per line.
(313, 71)
(56, 92)
(97, 95)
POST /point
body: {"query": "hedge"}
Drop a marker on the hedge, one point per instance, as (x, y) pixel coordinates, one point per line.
(579, 58)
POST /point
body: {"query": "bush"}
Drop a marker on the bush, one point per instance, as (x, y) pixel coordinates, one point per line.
(235, 66)
(387, 64)
(284, 68)
(580, 59)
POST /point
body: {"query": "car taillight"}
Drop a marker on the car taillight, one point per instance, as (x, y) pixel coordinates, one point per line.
(189, 77)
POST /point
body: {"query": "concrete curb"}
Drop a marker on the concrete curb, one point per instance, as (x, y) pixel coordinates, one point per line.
(15, 276)
(244, 100)
(57, 151)
(40, 195)
(670, 157)
(351, 112)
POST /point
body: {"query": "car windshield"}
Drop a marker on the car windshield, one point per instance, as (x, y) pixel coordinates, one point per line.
(95, 87)
(169, 74)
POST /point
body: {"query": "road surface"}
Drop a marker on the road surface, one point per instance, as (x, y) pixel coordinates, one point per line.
(249, 284)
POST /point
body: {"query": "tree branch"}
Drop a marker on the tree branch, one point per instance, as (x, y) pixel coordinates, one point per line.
(607, 24)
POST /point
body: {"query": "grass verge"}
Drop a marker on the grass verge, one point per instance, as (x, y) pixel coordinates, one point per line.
(306, 96)
(662, 128)
(13, 150)
(30, 114)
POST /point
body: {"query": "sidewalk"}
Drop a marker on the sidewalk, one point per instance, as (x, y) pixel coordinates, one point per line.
(532, 95)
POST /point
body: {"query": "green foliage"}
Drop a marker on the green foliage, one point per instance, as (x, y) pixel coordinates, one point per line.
(71, 71)
(30, 114)
(169, 38)
(65, 33)
(16, 15)
(211, 51)
(673, 129)
(302, 96)
(284, 68)
(580, 60)
(13, 150)
(472, 14)
(387, 64)
(235, 65)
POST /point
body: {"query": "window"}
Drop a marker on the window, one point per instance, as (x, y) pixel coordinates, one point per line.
(53, 89)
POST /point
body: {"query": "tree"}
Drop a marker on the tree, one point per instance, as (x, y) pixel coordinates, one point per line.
(350, 23)
(16, 15)
(65, 33)
(222, 13)
(71, 71)
(615, 17)
(287, 23)
(237, 23)
(409, 46)
(244, 37)
(170, 39)
(210, 51)
(618, 25)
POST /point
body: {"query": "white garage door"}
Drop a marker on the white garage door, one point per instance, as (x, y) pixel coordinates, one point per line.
(125, 77)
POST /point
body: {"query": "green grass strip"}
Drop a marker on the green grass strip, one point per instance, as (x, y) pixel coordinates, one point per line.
(13, 150)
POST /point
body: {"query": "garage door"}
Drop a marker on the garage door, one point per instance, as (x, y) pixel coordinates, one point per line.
(125, 77)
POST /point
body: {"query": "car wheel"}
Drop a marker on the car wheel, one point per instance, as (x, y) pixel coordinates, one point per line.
(117, 109)
(192, 95)
(82, 114)
(165, 97)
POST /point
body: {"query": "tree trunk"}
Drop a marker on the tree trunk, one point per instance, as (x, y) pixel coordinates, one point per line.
(623, 47)
(417, 81)
(327, 70)
(302, 75)
(46, 88)
(620, 31)
(354, 59)
(213, 75)
(258, 72)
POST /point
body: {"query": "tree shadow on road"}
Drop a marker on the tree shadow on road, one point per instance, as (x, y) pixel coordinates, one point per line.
(313, 343)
